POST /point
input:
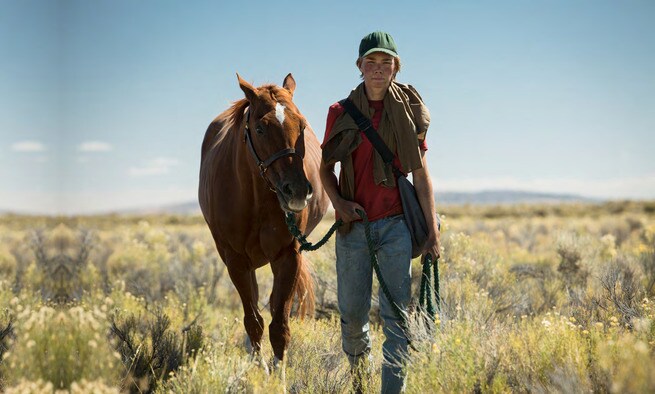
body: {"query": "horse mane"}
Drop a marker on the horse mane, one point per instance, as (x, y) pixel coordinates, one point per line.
(278, 94)
(234, 114)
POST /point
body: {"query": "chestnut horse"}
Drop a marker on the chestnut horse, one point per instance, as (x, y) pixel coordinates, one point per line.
(260, 159)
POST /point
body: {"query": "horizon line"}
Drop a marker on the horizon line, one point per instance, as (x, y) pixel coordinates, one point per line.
(570, 198)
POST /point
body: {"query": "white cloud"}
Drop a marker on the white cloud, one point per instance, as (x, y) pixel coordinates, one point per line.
(95, 146)
(28, 146)
(158, 166)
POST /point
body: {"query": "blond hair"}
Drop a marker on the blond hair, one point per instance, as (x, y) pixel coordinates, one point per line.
(396, 62)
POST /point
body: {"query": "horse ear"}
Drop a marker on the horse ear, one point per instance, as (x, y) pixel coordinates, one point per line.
(289, 83)
(249, 90)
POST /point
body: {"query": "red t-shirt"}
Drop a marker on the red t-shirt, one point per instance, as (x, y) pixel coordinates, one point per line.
(378, 201)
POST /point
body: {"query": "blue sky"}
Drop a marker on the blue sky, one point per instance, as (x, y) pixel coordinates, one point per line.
(104, 104)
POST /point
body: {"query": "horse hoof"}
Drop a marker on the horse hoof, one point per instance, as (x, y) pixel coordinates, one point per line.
(258, 360)
(280, 370)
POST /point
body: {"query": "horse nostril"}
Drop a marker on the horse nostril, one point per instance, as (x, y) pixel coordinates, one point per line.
(286, 189)
(310, 190)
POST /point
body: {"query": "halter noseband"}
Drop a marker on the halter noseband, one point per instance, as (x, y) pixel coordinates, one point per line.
(264, 164)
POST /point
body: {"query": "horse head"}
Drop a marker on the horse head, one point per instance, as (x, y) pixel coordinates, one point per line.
(274, 133)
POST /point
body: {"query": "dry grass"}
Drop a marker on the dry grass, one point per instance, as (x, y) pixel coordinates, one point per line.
(535, 298)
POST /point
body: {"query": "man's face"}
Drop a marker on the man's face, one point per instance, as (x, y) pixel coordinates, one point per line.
(378, 69)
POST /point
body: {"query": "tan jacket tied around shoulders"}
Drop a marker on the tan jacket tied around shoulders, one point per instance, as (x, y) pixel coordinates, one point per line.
(405, 121)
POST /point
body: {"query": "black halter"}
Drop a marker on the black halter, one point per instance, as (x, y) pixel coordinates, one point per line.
(264, 164)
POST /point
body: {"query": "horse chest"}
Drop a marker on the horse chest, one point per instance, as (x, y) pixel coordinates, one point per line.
(255, 233)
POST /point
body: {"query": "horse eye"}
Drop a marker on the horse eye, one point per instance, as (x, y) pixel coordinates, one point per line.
(259, 129)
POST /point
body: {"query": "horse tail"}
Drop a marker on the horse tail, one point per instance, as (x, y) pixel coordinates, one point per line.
(305, 290)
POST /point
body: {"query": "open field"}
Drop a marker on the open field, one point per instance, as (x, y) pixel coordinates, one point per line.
(536, 298)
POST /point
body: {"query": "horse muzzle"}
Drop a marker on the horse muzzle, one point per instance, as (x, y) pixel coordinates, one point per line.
(295, 197)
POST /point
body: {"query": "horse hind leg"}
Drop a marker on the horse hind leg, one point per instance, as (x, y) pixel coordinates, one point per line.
(304, 290)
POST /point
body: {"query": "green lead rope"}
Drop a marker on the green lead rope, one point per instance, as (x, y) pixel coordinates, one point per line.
(290, 219)
(374, 263)
(425, 299)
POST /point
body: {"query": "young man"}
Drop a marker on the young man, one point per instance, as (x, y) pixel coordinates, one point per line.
(365, 183)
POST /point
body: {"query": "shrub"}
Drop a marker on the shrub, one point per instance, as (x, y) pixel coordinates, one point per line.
(150, 351)
(60, 346)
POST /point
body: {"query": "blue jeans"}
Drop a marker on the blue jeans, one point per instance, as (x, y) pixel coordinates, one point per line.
(393, 248)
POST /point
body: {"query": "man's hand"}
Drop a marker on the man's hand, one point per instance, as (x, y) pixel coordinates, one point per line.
(347, 210)
(433, 245)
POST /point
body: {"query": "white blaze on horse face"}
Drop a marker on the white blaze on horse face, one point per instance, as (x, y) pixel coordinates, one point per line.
(279, 113)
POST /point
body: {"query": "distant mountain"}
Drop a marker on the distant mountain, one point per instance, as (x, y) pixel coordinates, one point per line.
(487, 197)
(185, 208)
(493, 197)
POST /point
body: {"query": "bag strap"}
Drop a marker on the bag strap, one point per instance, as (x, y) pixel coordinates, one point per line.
(365, 125)
(369, 131)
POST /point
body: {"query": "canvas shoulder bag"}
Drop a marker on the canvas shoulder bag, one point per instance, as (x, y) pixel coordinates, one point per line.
(412, 211)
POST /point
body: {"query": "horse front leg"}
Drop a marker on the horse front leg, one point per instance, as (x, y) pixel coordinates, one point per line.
(286, 270)
(245, 282)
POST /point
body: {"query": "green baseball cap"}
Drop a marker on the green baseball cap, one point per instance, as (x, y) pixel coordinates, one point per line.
(378, 41)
